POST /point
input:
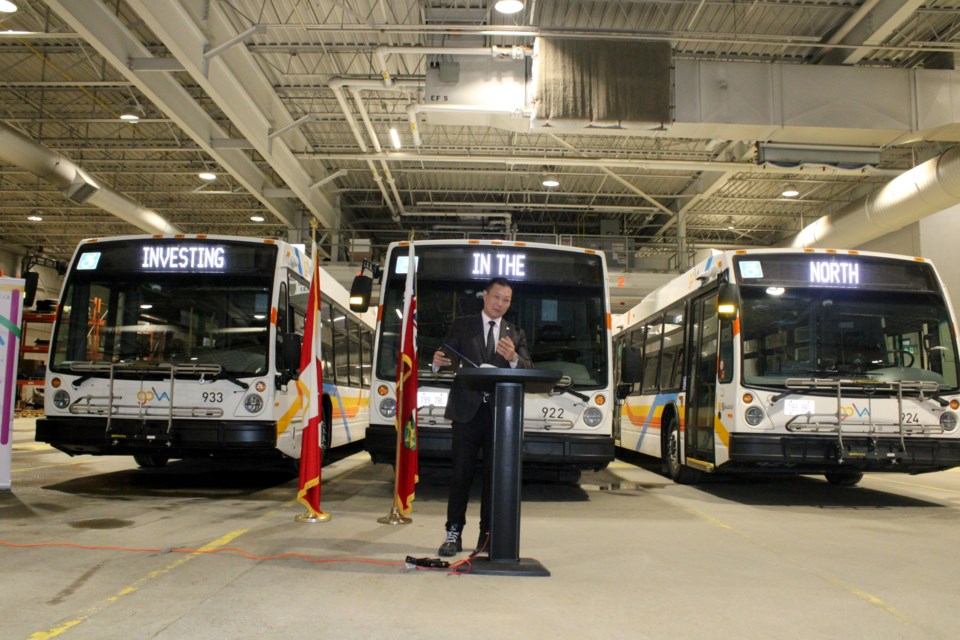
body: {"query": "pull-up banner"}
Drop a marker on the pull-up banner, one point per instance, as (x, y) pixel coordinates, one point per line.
(11, 310)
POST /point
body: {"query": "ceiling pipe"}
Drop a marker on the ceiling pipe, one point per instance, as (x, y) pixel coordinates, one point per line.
(589, 161)
(380, 54)
(77, 185)
(337, 85)
(355, 92)
(922, 191)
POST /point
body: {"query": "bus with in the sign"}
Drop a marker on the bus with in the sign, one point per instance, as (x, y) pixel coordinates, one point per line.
(560, 300)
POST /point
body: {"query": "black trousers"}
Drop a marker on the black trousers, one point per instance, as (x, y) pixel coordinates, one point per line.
(470, 439)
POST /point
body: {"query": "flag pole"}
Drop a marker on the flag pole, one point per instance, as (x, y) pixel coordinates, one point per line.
(406, 415)
(311, 514)
(396, 516)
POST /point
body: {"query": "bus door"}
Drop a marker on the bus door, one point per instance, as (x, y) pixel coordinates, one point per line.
(702, 386)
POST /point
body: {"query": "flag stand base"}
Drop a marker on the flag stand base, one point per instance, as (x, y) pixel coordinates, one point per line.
(306, 516)
(394, 517)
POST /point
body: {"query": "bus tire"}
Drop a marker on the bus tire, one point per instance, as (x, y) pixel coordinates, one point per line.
(150, 460)
(327, 435)
(676, 470)
(843, 478)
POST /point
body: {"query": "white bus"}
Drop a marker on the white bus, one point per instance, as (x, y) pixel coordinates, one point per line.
(186, 346)
(791, 360)
(560, 300)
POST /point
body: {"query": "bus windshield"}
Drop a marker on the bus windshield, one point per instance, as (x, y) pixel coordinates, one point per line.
(116, 312)
(810, 332)
(559, 304)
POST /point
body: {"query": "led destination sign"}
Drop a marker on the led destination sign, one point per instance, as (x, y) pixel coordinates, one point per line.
(517, 264)
(839, 273)
(850, 272)
(184, 258)
(177, 256)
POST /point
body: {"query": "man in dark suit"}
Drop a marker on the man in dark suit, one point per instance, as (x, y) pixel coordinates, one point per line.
(485, 338)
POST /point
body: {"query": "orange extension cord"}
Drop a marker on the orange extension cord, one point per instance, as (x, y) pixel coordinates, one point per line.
(300, 556)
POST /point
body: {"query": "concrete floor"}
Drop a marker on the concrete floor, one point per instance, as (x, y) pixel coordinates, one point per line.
(631, 555)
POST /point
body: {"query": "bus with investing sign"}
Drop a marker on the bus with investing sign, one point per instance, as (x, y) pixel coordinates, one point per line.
(188, 346)
(560, 300)
(804, 361)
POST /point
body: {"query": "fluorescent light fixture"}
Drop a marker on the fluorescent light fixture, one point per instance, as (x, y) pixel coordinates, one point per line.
(256, 218)
(395, 138)
(508, 6)
(34, 218)
(207, 175)
(7, 7)
(127, 117)
(789, 191)
(550, 180)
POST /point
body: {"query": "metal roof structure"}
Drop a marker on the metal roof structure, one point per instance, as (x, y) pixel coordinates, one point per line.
(290, 102)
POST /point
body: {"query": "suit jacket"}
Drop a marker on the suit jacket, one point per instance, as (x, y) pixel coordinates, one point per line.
(468, 335)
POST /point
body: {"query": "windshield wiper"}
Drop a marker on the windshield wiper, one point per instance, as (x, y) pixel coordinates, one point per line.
(564, 385)
(226, 375)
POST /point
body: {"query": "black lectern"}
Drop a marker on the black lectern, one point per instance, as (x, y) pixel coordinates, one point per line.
(507, 387)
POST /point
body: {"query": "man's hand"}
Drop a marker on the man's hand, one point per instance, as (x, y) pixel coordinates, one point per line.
(440, 359)
(506, 349)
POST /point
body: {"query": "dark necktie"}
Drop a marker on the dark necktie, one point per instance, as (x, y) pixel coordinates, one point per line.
(491, 347)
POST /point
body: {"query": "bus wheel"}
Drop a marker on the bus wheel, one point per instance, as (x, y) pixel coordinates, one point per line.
(843, 478)
(150, 460)
(677, 471)
(327, 434)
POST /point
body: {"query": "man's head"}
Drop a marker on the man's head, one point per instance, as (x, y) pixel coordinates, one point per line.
(496, 297)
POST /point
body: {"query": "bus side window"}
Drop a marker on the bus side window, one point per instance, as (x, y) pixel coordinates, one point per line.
(725, 358)
(651, 354)
(281, 324)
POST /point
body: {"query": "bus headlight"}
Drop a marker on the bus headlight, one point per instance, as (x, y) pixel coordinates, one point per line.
(754, 416)
(253, 403)
(948, 420)
(388, 407)
(61, 400)
(592, 416)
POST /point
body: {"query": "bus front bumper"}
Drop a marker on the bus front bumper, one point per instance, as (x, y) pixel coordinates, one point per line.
(814, 453)
(539, 449)
(188, 438)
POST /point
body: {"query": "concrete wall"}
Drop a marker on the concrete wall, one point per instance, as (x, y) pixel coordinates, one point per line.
(935, 238)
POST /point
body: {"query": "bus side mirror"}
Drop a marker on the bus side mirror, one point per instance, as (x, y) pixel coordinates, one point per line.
(289, 366)
(32, 281)
(631, 366)
(360, 292)
(728, 300)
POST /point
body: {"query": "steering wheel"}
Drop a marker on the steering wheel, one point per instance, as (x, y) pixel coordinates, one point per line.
(904, 355)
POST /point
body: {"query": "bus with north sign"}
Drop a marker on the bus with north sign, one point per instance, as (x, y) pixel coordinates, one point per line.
(805, 361)
(560, 300)
(188, 346)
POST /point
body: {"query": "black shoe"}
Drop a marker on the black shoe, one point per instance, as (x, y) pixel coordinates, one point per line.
(452, 544)
(483, 543)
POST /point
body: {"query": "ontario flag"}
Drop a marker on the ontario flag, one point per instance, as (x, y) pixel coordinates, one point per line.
(408, 466)
(309, 390)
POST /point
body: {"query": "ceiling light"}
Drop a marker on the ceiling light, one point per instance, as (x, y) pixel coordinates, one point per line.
(207, 175)
(789, 191)
(550, 180)
(730, 225)
(508, 6)
(34, 218)
(256, 218)
(7, 7)
(126, 117)
(395, 138)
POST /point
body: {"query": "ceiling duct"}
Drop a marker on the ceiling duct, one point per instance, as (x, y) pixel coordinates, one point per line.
(924, 190)
(21, 151)
(587, 82)
(80, 189)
